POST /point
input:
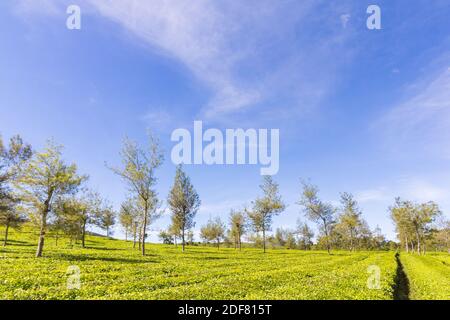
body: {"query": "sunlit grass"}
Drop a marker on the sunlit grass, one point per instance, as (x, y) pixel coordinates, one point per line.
(111, 269)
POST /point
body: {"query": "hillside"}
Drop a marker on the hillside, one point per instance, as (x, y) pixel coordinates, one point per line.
(111, 269)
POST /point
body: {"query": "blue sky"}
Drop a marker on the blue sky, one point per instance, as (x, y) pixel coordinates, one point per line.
(362, 111)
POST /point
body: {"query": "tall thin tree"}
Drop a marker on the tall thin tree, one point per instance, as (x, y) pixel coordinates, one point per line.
(45, 178)
(266, 207)
(317, 211)
(138, 171)
(184, 203)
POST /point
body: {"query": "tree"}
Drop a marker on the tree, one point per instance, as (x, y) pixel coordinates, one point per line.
(190, 237)
(129, 218)
(422, 218)
(280, 237)
(12, 161)
(184, 203)
(10, 218)
(350, 219)
(174, 232)
(106, 219)
(214, 230)
(442, 236)
(306, 234)
(67, 218)
(266, 207)
(79, 212)
(290, 240)
(237, 227)
(413, 221)
(89, 206)
(138, 171)
(400, 214)
(317, 211)
(45, 178)
(165, 237)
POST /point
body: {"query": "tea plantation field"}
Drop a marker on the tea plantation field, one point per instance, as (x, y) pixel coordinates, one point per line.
(429, 276)
(111, 269)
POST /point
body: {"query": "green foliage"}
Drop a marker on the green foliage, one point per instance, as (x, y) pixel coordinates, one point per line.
(183, 202)
(238, 226)
(265, 208)
(110, 269)
(214, 230)
(12, 160)
(138, 172)
(413, 222)
(44, 179)
(106, 219)
(429, 275)
(129, 217)
(318, 211)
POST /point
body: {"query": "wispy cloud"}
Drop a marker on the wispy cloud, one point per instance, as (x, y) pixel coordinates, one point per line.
(157, 118)
(222, 208)
(371, 195)
(263, 53)
(410, 188)
(247, 53)
(421, 123)
(31, 7)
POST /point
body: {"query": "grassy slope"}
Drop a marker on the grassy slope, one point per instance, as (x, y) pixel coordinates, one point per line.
(429, 275)
(110, 269)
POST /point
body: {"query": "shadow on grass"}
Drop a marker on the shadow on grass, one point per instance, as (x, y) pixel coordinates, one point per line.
(211, 258)
(19, 243)
(86, 257)
(102, 248)
(401, 287)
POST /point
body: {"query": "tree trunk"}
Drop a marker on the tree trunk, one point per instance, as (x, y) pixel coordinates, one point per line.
(351, 240)
(42, 231)
(406, 244)
(5, 241)
(139, 242)
(264, 240)
(325, 227)
(418, 243)
(144, 227)
(240, 244)
(135, 234)
(83, 234)
(182, 239)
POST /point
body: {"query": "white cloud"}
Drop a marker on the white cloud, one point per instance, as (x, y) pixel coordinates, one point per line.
(32, 7)
(222, 208)
(371, 195)
(421, 123)
(157, 118)
(408, 188)
(245, 52)
(262, 53)
(424, 191)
